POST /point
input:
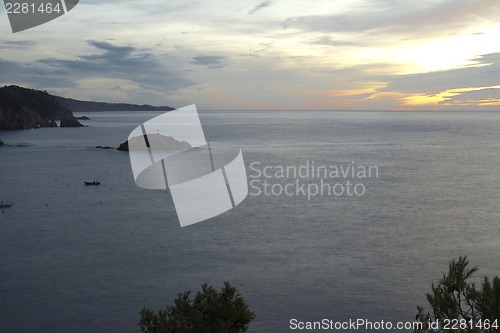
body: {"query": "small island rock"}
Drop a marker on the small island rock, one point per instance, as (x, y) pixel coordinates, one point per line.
(70, 122)
(160, 141)
(123, 146)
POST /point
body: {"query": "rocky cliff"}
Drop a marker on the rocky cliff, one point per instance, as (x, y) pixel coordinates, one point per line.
(22, 108)
(85, 106)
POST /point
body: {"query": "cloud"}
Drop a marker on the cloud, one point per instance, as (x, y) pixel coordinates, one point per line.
(328, 41)
(16, 44)
(258, 50)
(209, 61)
(401, 16)
(484, 73)
(260, 6)
(112, 48)
(129, 65)
(121, 62)
(31, 74)
(482, 97)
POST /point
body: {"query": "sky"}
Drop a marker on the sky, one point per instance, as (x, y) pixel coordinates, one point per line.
(269, 55)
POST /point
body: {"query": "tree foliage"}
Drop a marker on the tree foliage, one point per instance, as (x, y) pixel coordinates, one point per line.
(458, 305)
(210, 311)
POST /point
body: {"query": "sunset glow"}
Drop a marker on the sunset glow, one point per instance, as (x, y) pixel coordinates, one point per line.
(364, 54)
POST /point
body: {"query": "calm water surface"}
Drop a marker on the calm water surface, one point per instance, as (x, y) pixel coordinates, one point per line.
(87, 259)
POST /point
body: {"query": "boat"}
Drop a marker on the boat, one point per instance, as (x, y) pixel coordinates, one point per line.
(95, 182)
(5, 204)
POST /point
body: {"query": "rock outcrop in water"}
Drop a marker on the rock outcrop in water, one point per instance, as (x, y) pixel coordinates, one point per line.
(161, 142)
(22, 108)
(1, 143)
(47, 123)
(70, 123)
(123, 146)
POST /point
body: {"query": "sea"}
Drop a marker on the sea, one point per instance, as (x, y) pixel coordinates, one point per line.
(76, 258)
